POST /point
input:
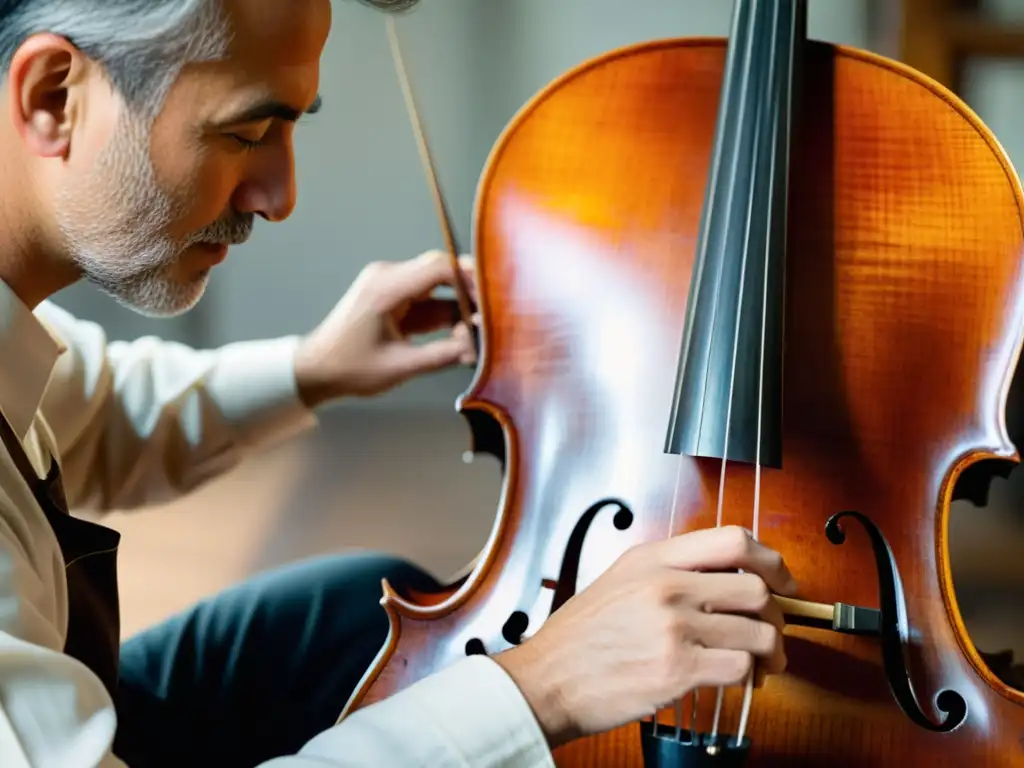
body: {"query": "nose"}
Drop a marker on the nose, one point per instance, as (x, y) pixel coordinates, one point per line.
(268, 189)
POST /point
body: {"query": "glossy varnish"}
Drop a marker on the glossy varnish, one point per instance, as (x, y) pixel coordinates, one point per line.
(903, 320)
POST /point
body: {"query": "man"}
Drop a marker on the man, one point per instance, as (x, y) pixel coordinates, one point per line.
(139, 139)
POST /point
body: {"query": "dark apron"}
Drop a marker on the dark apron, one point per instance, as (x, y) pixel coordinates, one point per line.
(90, 564)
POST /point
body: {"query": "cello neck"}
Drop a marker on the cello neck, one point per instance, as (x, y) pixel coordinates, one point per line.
(728, 393)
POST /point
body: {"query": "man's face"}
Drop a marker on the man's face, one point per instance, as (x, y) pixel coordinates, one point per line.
(147, 208)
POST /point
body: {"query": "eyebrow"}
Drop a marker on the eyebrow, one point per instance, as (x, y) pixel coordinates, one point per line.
(269, 110)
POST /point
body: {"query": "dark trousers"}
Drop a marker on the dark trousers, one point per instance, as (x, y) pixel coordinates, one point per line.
(256, 671)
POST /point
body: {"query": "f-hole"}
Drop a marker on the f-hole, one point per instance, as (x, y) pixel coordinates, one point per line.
(892, 607)
(565, 587)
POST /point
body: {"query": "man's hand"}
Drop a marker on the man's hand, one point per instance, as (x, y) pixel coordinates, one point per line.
(363, 347)
(663, 620)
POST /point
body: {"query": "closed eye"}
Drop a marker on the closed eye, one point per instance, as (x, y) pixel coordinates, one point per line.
(248, 144)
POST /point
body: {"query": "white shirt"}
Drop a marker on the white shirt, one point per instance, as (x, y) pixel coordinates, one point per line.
(142, 422)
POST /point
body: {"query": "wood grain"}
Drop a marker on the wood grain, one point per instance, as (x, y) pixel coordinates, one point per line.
(905, 309)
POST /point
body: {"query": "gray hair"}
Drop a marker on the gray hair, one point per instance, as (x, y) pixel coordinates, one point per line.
(142, 44)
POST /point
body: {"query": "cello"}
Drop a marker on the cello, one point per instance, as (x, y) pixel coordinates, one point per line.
(765, 281)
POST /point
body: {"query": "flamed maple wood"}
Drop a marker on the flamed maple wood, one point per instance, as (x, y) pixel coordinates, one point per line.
(903, 321)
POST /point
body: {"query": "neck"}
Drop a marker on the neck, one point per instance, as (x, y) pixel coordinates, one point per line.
(31, 264)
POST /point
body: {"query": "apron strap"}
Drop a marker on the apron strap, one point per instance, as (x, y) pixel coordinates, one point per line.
(17, 452)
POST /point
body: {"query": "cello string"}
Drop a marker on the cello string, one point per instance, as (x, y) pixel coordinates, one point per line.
(444, 218)
(773, 74)
(773, 86)
(679, 701)
(755, 12)
(733, 138)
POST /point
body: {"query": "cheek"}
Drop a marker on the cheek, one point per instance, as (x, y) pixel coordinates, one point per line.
(198, 179)
(200, 185)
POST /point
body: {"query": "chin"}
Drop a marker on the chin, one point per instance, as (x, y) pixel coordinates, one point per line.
(165, 298)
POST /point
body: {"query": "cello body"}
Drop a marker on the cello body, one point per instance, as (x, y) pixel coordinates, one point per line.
(904, 314)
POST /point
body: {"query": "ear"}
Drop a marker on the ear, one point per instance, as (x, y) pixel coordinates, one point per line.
(45, 73)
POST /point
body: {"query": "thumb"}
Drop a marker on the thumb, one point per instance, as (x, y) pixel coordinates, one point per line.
(418, 276)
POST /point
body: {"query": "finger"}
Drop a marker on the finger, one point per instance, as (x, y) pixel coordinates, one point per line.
(467, 265)
(407, 360)
(417, 277)
(739, 633)
(740, 593)
(725, 549)
(720, 667)
(467, 341)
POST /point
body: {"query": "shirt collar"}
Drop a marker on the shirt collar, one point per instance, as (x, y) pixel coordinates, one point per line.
(28, 354)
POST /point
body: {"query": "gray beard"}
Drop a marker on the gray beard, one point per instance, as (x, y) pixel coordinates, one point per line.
(115, 227)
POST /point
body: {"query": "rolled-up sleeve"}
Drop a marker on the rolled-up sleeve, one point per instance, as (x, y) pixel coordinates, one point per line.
(469, 715)
(142, 422)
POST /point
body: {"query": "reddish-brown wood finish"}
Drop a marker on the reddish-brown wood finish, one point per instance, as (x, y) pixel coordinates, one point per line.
(905, 309)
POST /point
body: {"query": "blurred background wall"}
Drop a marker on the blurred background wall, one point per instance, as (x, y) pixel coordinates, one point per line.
(388, 474)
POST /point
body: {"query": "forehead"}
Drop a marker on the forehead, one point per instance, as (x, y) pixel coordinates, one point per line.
(275, 49)
(277, 32)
